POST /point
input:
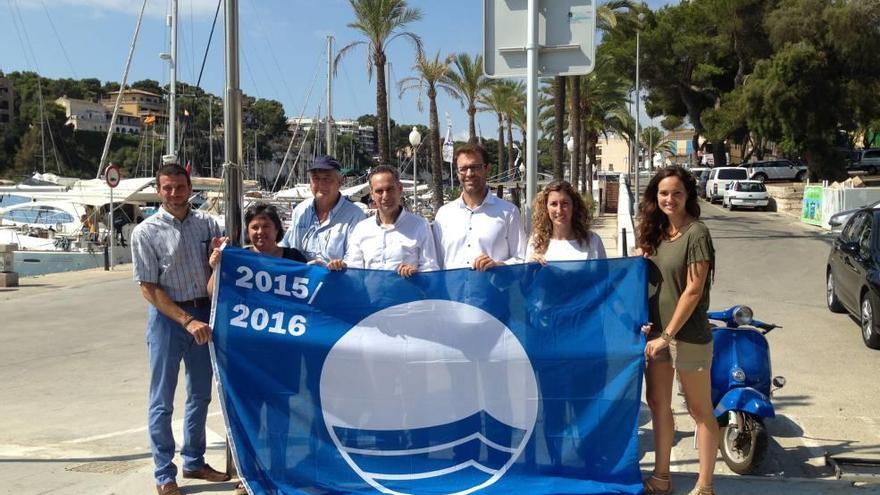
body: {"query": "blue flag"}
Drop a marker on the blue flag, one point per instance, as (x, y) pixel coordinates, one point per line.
(522, 379)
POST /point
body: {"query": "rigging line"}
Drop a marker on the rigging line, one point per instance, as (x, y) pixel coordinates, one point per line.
(27, 47)
(265, 37)
(192, 41)
(299, 121)
(208, 48)
(247, 68)
(33, 61)
(58, 38)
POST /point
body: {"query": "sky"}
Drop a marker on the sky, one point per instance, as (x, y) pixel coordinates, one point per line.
(283, 49)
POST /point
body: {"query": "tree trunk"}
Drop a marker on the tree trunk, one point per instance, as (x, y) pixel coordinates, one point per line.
(382, 130)
(558, 126)
(582, 160)
(472, 127)
(436, 163)
(510, 157)
(575, 129)
(500, 166)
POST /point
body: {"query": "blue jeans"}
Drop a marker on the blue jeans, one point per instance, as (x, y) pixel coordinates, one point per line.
(168, 343)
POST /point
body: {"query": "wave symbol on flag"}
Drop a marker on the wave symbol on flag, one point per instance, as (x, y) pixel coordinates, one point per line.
(430, 396)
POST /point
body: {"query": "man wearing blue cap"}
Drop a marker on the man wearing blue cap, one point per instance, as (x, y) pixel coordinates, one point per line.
(320, 227)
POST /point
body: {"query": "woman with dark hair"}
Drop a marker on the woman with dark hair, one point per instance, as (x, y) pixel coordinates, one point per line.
(681, 263)
(264, 231)
(561, 227)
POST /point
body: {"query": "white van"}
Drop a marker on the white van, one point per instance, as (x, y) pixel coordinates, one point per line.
(720, 178)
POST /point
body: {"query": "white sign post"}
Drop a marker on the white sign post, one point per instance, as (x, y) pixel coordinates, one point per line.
(559, 40)
(112, 176)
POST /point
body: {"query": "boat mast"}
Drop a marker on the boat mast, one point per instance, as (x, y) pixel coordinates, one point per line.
(232, 140)
(104, 153)
(329, 125)
(171, 153)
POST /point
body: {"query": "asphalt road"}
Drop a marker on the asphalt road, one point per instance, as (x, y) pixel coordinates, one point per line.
(830, 404)
(73, 373)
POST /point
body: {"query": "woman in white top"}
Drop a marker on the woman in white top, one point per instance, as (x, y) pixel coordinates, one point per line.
(561, 227)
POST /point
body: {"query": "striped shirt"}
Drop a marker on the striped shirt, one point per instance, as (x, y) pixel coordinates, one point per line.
(325, 241)
(174, 254)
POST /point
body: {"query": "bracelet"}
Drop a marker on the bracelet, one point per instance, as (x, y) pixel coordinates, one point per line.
(187, 321)
(666, 336)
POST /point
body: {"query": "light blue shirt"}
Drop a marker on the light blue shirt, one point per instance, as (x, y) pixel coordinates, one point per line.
(323, 241)
(174, 254)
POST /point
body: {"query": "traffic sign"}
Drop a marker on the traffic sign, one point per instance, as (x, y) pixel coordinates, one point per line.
(112, 176)
(566, 37)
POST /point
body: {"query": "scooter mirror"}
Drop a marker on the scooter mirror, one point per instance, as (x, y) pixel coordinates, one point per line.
(778, 381)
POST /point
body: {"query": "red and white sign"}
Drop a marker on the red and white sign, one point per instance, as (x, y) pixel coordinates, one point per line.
(112, 175)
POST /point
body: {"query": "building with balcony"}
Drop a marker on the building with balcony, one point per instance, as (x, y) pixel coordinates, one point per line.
(7, 101)
(365, 134)
(84, 115)
(139, 103)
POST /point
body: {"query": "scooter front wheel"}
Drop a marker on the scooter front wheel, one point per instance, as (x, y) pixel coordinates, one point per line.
(744, 443)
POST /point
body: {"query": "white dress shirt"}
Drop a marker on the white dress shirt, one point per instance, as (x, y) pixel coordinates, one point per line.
(494, 228)
(564, 250)
(384, 247)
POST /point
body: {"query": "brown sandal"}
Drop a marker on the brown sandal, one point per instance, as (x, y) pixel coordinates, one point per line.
(702, 490)
(240, 489)
(654, 485)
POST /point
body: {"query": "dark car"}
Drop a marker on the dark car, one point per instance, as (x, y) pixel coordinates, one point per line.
(852, 280)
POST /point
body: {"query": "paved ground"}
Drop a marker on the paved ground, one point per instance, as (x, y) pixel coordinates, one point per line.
(73, 374)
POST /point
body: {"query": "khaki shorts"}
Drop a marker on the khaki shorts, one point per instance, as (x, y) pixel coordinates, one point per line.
(686, 356)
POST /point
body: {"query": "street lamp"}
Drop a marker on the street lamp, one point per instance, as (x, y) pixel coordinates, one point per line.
(570, 146)
(522, 171)
(638, 91)
(415, 139)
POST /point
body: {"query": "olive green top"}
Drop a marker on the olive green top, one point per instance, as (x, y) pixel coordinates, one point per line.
(667, 279)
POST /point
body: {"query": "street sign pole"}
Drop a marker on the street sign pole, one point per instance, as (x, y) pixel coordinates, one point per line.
(112, 178)
(531, 111)
(112, 225)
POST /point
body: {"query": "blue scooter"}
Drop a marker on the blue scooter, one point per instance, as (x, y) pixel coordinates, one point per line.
(742, 387)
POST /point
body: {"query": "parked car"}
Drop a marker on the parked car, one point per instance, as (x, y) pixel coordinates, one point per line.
(776, 170)
(719, 178)
(851, 282)
(838, 220)
(747, 194)
(698, 172)
(867, 160)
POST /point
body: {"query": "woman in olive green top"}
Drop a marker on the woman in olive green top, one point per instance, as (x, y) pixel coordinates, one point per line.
(681, 260)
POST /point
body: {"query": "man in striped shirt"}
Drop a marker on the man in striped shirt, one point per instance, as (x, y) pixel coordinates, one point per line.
(170, 256)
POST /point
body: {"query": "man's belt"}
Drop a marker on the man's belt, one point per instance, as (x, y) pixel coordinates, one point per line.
(199, 302)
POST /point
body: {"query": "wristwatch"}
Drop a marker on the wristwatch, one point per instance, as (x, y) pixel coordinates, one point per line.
(666, 336)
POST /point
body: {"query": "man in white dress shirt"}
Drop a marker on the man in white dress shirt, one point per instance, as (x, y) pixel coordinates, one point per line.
(394, 239)
(477, 230)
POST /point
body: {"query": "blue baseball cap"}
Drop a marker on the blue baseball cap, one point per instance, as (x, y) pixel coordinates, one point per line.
(325, 162)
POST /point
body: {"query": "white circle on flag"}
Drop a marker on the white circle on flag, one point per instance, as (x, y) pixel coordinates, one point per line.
(428, 366)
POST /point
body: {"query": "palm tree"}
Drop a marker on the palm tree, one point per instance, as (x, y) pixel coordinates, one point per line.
(558, 125)
(607, 18)
(515, 98)
(494, 100)
(430, 74)
(465, 82)
(381, 22)
(653, 140)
